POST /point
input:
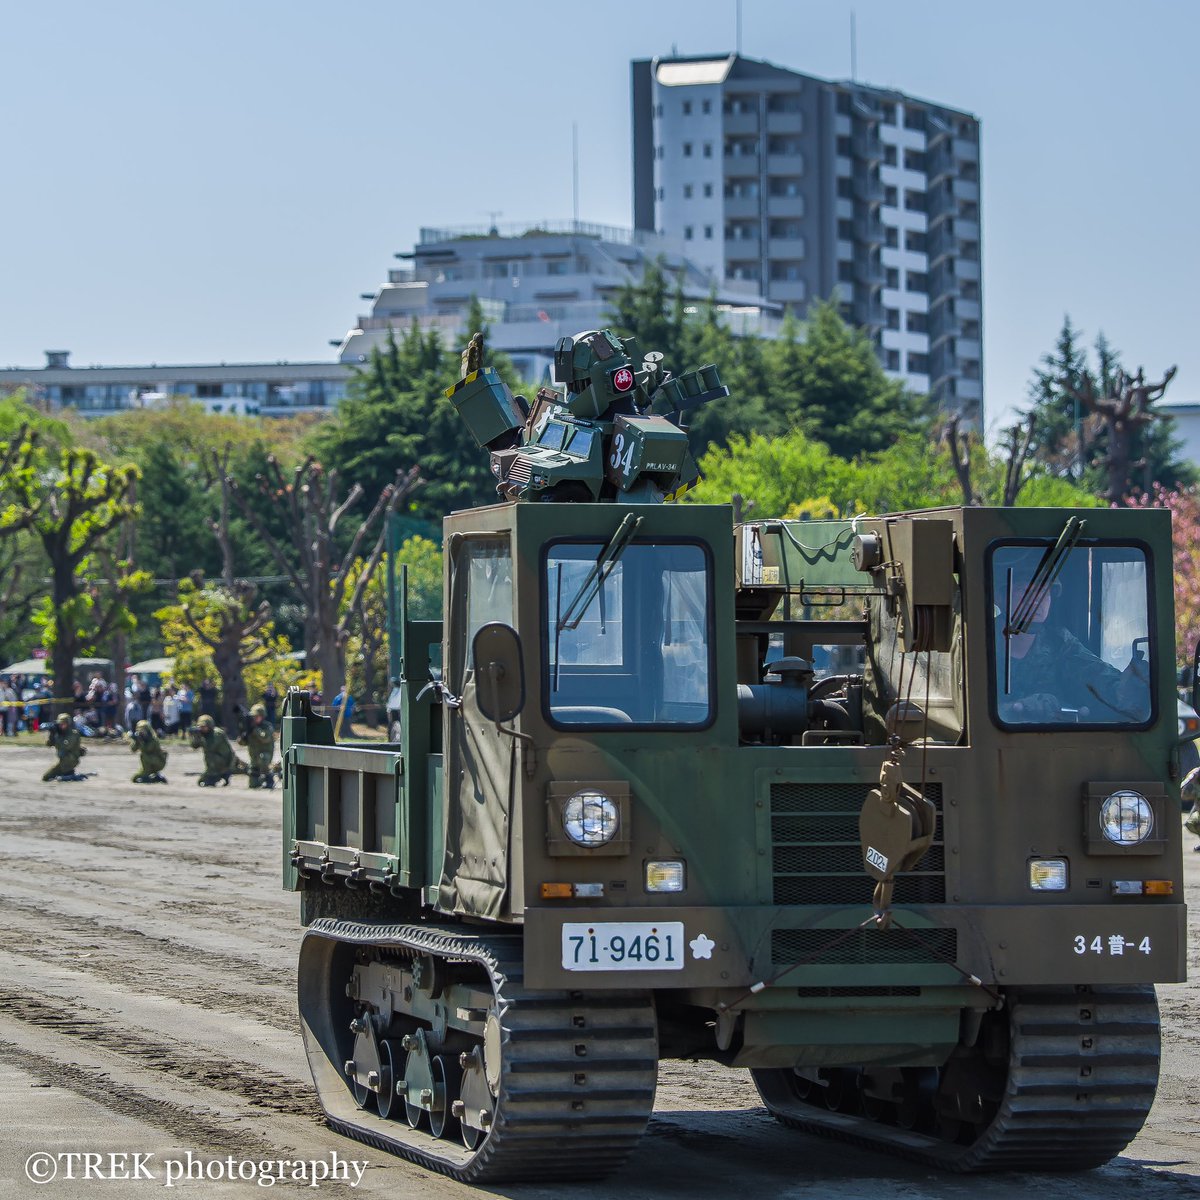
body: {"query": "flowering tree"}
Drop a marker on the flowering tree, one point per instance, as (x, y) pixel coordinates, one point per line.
(1185, 538)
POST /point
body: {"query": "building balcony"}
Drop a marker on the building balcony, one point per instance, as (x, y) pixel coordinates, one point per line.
(787, 291)
(943, 285)
(943, 365)
(738, 124)
(742, 164)
(966, 189)
(966, 231)
(941, 241)
(742, 208)
(785, 206)
(785, 122)
(868, 189)
(940, 161)
(786, 247)
(869, 314)
(966, 149)
(742, 248)
(867, 145)
(785, 164)
(944, 322)
(869, 229)
(869, 272)
(940, 203)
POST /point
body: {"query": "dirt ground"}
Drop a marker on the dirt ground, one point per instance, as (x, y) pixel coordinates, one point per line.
(147, 1007)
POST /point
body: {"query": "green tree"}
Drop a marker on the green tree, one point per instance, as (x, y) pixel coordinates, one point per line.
(773, 474)
(1093, 427)
(174, 448)
(218, 631)
(367, 649)
(397, 414)
(844, 398)
(78, 506)
(652, 311)
(793, 474)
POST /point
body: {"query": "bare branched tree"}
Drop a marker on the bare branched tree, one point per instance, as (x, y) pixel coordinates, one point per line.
(313, 513)
(227, 621)
(959, 445)
(1124, 410)
(215, 465)
(1018, 448)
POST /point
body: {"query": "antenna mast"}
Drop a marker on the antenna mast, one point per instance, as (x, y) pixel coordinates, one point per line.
(575, 173)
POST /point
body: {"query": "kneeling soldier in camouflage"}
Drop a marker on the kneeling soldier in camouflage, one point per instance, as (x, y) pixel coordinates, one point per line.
(153, 756)
(259, 739)
(64, 737)
(220, 761)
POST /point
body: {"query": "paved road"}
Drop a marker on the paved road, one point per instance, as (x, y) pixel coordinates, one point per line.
(146, 1007)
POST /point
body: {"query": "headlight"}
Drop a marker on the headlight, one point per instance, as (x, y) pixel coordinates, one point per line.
(590, 819)
(1126, 818)
(1048, 874)
(664, 876)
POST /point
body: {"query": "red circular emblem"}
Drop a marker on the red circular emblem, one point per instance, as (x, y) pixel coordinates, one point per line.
(623, 379)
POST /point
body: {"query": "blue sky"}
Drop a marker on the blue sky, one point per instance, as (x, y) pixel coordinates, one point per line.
(219, 181)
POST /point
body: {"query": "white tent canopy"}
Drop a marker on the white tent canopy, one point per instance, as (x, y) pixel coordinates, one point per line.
(41, 666)
(151, 666)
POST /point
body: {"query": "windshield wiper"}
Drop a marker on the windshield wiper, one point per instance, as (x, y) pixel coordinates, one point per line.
(595, 578)
(1021, 616)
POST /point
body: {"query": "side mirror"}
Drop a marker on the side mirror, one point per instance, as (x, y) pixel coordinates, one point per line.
(1196, 677)
(499, 672)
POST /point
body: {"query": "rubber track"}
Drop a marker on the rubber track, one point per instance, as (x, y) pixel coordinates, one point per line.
(1083, 1069)
(579, 1074)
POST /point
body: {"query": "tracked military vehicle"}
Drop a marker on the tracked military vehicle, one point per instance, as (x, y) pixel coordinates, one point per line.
(883, 810)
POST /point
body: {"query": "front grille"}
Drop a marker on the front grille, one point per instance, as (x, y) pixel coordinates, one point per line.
(863, 947)
(815, 852)
(520, 471)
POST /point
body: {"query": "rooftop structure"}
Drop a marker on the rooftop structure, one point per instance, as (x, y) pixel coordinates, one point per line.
(537, 283)
(807, 188)
(272, 389)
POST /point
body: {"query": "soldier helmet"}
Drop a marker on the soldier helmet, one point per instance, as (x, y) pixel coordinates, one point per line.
(142, 727)
(63, 719)
(258, 710)
(206, 724)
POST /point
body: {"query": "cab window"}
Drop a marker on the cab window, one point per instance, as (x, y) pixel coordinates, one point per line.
(634, 648)
(1072, 644)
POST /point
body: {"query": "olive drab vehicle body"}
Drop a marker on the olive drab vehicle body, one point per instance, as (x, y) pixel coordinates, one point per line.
(801, 797)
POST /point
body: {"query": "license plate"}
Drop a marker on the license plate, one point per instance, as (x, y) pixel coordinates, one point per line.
(623, 946)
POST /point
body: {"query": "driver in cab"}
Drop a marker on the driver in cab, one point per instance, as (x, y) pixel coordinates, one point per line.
(1052, 677)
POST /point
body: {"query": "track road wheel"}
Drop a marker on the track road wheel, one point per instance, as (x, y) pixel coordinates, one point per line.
(446, 1076)
(562, 1082)
(386, 1100)
(1059, 1079)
